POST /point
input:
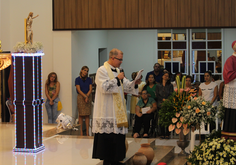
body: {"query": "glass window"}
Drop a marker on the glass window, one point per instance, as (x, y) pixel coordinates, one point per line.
(179, 34)
(198, 34)
(205, 52)
(190, 51)
(164, 45)
(164, 56)
(165, 34)
(214, 45)
(215, 55)
(196, 57)
(172, 66)
(199, 45)
(172, 52)
(179, 45)
(214, 34)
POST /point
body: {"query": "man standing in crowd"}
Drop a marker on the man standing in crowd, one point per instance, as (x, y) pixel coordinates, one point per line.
(156, 72)
(109, 117)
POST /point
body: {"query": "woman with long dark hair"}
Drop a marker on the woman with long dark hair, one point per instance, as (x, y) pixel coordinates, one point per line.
(83, 85)
(52, 88)
(163, 91)
(209, 89)
(150, 87)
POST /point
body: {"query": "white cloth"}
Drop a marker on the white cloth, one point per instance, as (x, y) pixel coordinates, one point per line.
(208, 91)
(104, 119)
(218, 83)
(229, 100)
(174, 84)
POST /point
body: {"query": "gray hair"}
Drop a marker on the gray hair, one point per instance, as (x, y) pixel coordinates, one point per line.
(115, 52)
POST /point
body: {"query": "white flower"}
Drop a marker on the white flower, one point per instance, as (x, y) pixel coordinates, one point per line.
(28, 48)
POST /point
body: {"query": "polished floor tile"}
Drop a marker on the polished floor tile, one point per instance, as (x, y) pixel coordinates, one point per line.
(59, 149)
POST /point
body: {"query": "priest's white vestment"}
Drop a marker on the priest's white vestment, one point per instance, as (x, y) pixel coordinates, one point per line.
(104, 116)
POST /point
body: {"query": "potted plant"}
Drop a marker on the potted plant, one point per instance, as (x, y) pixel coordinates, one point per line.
(214, 150)
(171, 113)
(197, 111)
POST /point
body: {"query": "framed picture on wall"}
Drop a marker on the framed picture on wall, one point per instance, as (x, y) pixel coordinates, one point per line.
(92, 76)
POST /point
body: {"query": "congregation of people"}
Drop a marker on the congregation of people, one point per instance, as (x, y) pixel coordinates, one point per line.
(159, 87)
(144, 106)
(110, 119)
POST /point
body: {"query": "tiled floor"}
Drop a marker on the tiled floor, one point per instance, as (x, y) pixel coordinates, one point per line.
(60, 149)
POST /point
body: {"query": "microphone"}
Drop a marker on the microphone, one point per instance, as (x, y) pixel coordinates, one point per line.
(121, 69)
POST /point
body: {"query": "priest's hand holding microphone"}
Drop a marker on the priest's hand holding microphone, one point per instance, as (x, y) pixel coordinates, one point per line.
(121, 76)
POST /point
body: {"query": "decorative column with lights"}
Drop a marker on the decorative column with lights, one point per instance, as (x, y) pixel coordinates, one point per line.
(28, 101)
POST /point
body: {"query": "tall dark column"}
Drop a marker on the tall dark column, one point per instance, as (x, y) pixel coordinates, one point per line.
(28, 101)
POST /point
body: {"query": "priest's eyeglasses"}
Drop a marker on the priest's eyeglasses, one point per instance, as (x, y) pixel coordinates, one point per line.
(120, 59)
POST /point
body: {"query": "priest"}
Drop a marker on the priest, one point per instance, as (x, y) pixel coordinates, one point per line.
(229, 99)
(110, 122)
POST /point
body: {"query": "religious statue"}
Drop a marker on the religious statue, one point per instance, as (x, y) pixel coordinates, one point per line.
(29, 31)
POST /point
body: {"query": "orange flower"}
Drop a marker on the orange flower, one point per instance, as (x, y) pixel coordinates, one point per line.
(195, 98)
(181, 119)
(189, 107)
(177, 114)
(203, 103)
(197, 110)
(208, 113)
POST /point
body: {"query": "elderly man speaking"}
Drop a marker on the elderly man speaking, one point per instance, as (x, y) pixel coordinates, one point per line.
(109, 117)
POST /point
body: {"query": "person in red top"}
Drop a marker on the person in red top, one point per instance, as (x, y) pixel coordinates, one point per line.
(229, 99)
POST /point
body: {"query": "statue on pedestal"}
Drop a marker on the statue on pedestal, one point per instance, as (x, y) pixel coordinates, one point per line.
(29, 31)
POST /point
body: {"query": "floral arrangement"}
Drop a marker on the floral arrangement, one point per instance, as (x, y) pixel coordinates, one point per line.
(214, 151)
(178, 100)
(22, 47)
(197, 110)
(221, 110)
(167, 112)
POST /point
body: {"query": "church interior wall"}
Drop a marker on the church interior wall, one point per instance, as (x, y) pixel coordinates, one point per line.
(85, 46)
(139, 48)
(229, 35)
(66, 52)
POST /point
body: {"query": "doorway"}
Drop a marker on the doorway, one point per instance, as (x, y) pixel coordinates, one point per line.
(102, 56)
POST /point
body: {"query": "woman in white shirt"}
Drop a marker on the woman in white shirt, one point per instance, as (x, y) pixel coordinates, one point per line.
(209, 90)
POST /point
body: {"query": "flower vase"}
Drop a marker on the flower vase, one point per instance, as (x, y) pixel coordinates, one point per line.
(147, 151)
(183, 143)
(139, 159)
(126, 145)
